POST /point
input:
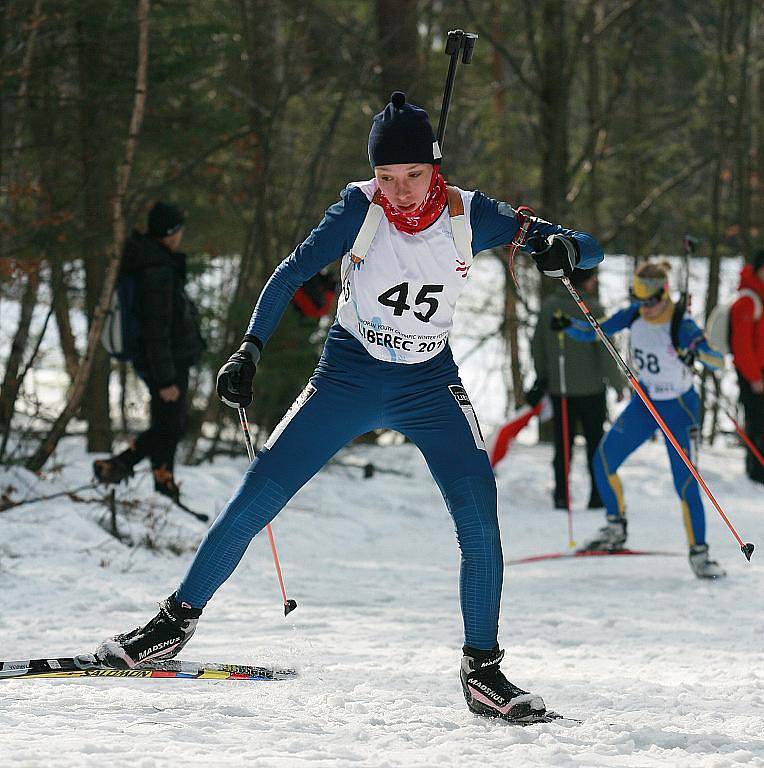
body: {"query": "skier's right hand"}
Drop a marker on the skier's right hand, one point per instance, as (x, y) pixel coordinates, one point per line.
(560, 322)
(234, 382)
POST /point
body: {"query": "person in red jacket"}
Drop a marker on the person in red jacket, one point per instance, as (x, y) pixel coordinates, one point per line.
(747, 342)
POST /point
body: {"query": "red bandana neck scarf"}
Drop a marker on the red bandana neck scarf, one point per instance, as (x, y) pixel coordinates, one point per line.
(428, 211)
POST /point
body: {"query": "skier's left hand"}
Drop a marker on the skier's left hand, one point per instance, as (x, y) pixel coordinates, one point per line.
(555, 255)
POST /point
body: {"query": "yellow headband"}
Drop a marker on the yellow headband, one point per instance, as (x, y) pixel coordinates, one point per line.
(647, 287)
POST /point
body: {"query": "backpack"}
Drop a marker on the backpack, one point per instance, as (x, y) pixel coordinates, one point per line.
(121, 329)
(718, 327)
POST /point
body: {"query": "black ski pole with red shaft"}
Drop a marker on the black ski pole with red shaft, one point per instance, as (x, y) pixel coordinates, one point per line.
(745, 548)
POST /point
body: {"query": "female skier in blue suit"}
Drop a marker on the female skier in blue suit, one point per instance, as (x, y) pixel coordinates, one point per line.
(663, 348)
(406, 243)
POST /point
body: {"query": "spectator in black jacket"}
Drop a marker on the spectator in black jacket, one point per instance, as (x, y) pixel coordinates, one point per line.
(170, 343)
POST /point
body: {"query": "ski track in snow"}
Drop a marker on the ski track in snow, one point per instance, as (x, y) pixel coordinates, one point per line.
(664, 669)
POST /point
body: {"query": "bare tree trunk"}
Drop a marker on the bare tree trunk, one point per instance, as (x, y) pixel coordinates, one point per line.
(741, 135)
(555, 97)
(757, 141)
(511, 326)
(514, 381)
(637, 185)
(96, 172)
(11, 380)
(593, 110)
(397, 39)
(59, 297)
(19, 122)
(725, 49)
(48, 445)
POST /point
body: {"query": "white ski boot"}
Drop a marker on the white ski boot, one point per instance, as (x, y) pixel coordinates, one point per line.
(702, 565)
(609, 538)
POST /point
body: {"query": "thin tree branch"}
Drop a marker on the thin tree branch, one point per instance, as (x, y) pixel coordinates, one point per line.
(652, 196)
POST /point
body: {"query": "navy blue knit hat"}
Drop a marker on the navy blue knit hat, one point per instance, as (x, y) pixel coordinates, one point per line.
(402, 133)
(164, 220)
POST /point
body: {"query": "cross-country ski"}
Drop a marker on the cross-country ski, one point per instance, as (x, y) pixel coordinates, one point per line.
(86, 665)
(592, 553)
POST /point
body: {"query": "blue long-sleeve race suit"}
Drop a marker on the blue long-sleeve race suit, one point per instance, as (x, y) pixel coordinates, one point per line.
(355, 389)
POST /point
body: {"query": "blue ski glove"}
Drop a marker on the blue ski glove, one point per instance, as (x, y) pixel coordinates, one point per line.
(234, 382)
(555, 255)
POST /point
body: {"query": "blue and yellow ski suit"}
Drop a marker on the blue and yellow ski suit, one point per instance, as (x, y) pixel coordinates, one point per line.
(669, 383)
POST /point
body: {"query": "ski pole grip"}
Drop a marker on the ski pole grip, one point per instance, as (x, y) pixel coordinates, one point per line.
(468, 47)
(454, 41)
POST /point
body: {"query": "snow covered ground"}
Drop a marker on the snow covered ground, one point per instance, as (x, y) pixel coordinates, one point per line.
(664, 670)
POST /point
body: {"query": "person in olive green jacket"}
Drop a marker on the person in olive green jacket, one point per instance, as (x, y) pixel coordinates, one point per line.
(581, 371)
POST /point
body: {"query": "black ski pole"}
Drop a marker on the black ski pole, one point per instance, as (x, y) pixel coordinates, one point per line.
(289, 605)
(458, 41)
(688, 244)
(684, 306)
(745, 548)
(728, 409)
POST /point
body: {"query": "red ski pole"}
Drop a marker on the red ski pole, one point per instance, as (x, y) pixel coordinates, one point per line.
(745, 548)
(289, 605)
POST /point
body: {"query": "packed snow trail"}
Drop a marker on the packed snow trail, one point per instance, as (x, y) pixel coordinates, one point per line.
(663, 668)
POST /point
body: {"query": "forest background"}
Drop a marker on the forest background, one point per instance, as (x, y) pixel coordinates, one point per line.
(636, 120)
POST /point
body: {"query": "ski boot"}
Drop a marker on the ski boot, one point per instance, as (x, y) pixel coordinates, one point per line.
(490, 694)
(702, 566)
(162, 638)
(114, 470)
(609, 538)
(164, 483)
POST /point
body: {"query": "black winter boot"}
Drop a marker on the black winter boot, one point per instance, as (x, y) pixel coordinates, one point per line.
(164, 483)
(162, 638)
(490, 694)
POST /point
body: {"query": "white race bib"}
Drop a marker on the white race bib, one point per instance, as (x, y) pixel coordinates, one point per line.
(656, 362)
(399, 300)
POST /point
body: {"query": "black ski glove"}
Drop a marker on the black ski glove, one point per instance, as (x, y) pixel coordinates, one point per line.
(687, 356)
(555, 255)
(560, 322)
(234, 383)
(534, 395)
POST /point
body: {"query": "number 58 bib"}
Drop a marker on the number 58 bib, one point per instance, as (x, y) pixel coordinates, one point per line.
(399, 298)
(659, 369)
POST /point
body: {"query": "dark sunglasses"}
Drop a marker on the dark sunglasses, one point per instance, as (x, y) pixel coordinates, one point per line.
(650, 301)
